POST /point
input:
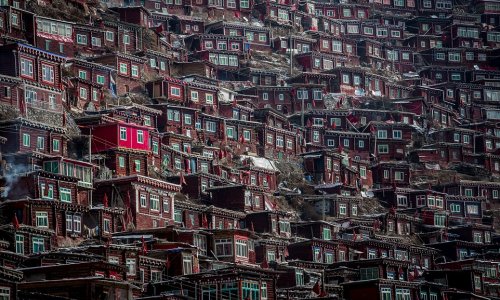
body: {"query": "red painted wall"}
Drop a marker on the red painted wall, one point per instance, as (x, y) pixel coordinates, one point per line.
(108, 136)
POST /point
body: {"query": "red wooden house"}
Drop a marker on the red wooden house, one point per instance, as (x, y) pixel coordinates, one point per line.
(137, 15)
(31, 136)
(318, 251)
(55, 36)
(338, 206)
(275, 223)
(256, 36)
(42, 72)
(129, 71)
(121, 36)
(391, 173)
(234, 245)
(148, 202)
(389, 140)
(323, 166)
(90, 84)
(239, 197)
(316, 230)
(277, 97)
(51, 202)
(89, 40)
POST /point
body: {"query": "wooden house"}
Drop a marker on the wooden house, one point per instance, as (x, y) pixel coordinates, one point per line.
(90, 84)
(239, 197)
(391, 173)
(338, 206)
(55, 36)
(129, 71)
(32, 136)
(390, 140)
(275, 223)
(42, 72)
(148, 202)
(257, 37)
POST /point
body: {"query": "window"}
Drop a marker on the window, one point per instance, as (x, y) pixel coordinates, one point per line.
(110, 36)
(38, 244)
(466, 139)
(299, 277)
(130, 265)
(342, 209)
(47, 73)
(345, 78)
(382, 134)
(194, 96)
(96, 42)
(439, 220)
(210, 126)
(137, 164)
(315, 136)
(385, 294)
(77, 223)
(383, 149)
(403, 294)
(26, 67)
(381, 32)
(123, 69)
(241, 248)
(397, 134)
(472, 209)
(399, 176)
(327, 233)
(123, 133)
(209, 98)
(368, 273)
(126, 39)
(223, 247)
(329, 258)
(154, 202)
(396, 33)
(362, 172)
(468, 192)
(81, 39)
(279, 141)
(65, 194)
(478, 237)
(55, 145)
(106, 225)
(19, 244)
(26, 140)
(83, 93)
(42, 219)
(246, 135)
(140, 136)
(454, 56)
(455, 208)
(135, 71)
(402, 200)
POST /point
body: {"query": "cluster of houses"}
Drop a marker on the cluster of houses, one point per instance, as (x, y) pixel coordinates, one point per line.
(247, 149)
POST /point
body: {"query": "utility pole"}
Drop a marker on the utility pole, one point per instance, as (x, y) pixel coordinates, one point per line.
(90, 161)
(291, 53)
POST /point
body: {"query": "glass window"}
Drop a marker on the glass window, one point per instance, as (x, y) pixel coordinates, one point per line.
(19, 245)
(42, 219)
